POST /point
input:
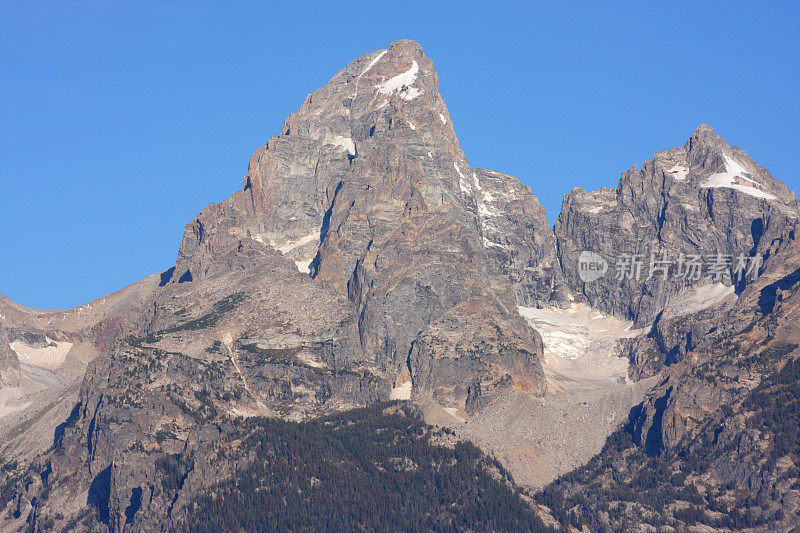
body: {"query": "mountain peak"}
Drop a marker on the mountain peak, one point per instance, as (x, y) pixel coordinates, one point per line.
(408, 46)
(366, 191)
(366, 260)
(704, 141)
(704, 129)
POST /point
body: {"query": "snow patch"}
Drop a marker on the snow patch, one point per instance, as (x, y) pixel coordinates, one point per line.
(679, 172)
(581, 347)
(373, 63)
(401, 392)
(477, 182)
(697, 299)
(453, 411)
(358, 78)
(443, 118)
(410, 125)
(462, 183)
(305, 359)
(575, 332)
(304, 265)
(296, 243)
(49, 357)
(346, 143)
(490, 244)
(402, 84)
(487, 210)
(728, 180)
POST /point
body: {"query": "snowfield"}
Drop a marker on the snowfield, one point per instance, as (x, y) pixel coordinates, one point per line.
(49, 357)
(402, 84)
(728, 180)
(401, 392)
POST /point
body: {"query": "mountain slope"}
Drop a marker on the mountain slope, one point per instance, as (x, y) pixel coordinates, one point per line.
(703, 198)
(350, 268)
(715, 442)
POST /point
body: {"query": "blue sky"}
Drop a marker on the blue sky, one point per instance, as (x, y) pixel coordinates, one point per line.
(120, 121)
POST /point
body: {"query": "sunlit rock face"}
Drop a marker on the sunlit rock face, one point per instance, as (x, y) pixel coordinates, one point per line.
(367, 190)
(705, 198)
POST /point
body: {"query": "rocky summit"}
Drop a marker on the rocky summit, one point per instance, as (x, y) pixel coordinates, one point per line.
(368, 299)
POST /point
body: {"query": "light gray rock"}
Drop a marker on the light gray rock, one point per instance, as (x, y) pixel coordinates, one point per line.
(703, 198)
(367, 187)
(518, 240)
(9, 364)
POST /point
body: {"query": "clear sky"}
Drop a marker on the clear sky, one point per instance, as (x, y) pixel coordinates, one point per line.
(119, 121)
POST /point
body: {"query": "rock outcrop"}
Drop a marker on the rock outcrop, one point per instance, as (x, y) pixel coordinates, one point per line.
(720, 429)
(9, 363)
(366, 189)
(704, 199)
(721, 421)
(518, 239)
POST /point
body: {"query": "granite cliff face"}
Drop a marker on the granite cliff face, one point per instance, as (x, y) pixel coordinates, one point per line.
(519, 241)
(704, 198)
(719, 428)
(719, 431)
(367, 190)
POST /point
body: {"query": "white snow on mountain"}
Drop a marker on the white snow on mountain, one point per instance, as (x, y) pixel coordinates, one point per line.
(50, 356)
(679, 172)
(462, 183)
(304, 266)
(732, 178)
(295, 243)
(372, 63)
(401, 392)
(346, 143)
(402, 84)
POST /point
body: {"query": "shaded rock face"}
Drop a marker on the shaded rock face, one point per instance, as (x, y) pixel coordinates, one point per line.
(9, 364)
(720, 429)
(258, 339)
(518, 240)
(366, 189)
(734, 355)
(704, 198)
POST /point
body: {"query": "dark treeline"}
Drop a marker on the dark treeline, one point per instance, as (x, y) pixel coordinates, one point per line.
(376, 469)
(628, 486)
